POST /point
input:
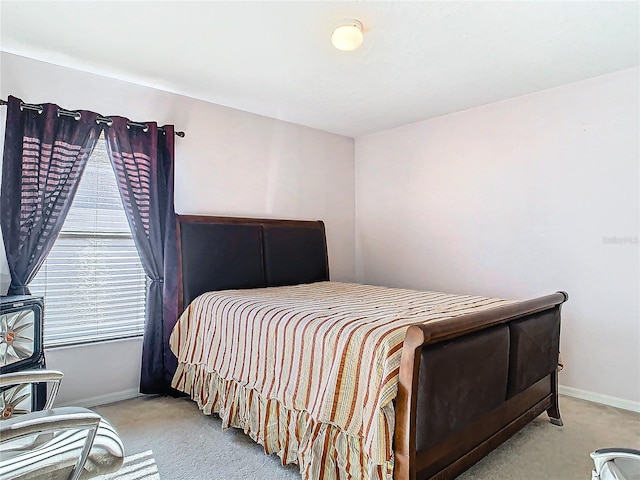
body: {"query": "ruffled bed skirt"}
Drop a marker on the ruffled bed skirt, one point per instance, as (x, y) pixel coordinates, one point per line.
(322, 451)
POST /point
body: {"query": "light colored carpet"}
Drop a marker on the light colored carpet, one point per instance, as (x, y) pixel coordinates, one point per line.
(190, 445)
(139, 466)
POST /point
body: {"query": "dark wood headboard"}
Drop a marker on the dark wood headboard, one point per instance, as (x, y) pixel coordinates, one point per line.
(219, 253)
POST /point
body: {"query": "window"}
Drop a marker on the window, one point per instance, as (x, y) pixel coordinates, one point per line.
(92, 281)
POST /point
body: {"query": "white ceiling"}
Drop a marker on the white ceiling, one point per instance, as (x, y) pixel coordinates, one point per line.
(418, 60)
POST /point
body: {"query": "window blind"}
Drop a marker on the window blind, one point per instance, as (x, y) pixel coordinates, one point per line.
(93, 283)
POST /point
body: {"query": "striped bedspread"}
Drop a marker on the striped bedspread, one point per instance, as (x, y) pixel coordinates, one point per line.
(330, 350)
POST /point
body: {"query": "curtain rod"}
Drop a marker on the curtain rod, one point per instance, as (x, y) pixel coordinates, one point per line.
(76, 115)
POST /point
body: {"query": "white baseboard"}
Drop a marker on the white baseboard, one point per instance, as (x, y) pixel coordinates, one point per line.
(599, 398)
(103, 399)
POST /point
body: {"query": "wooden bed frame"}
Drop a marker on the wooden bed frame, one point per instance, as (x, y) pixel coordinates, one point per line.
(466, 384)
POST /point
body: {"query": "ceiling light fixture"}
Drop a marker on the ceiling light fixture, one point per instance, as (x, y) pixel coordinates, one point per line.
(347, 34)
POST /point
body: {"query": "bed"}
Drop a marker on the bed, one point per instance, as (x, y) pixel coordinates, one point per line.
(444, 392)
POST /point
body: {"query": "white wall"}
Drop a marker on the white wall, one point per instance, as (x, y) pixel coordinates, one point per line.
(513, 199)
(519, 199)
(229, 163)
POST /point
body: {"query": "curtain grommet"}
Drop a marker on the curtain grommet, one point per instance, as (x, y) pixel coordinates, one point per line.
(39, 108)
(76, 115)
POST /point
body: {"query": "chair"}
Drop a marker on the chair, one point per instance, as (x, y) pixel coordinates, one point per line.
(55, 443)
(616, 464)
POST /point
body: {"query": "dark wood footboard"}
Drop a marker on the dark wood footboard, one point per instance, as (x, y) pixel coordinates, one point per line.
(469, 383)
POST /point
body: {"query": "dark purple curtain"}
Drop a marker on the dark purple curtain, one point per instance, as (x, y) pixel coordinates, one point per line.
(44, 156)
(143, 162)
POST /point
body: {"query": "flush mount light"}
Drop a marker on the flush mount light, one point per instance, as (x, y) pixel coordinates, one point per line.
(347, 34)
